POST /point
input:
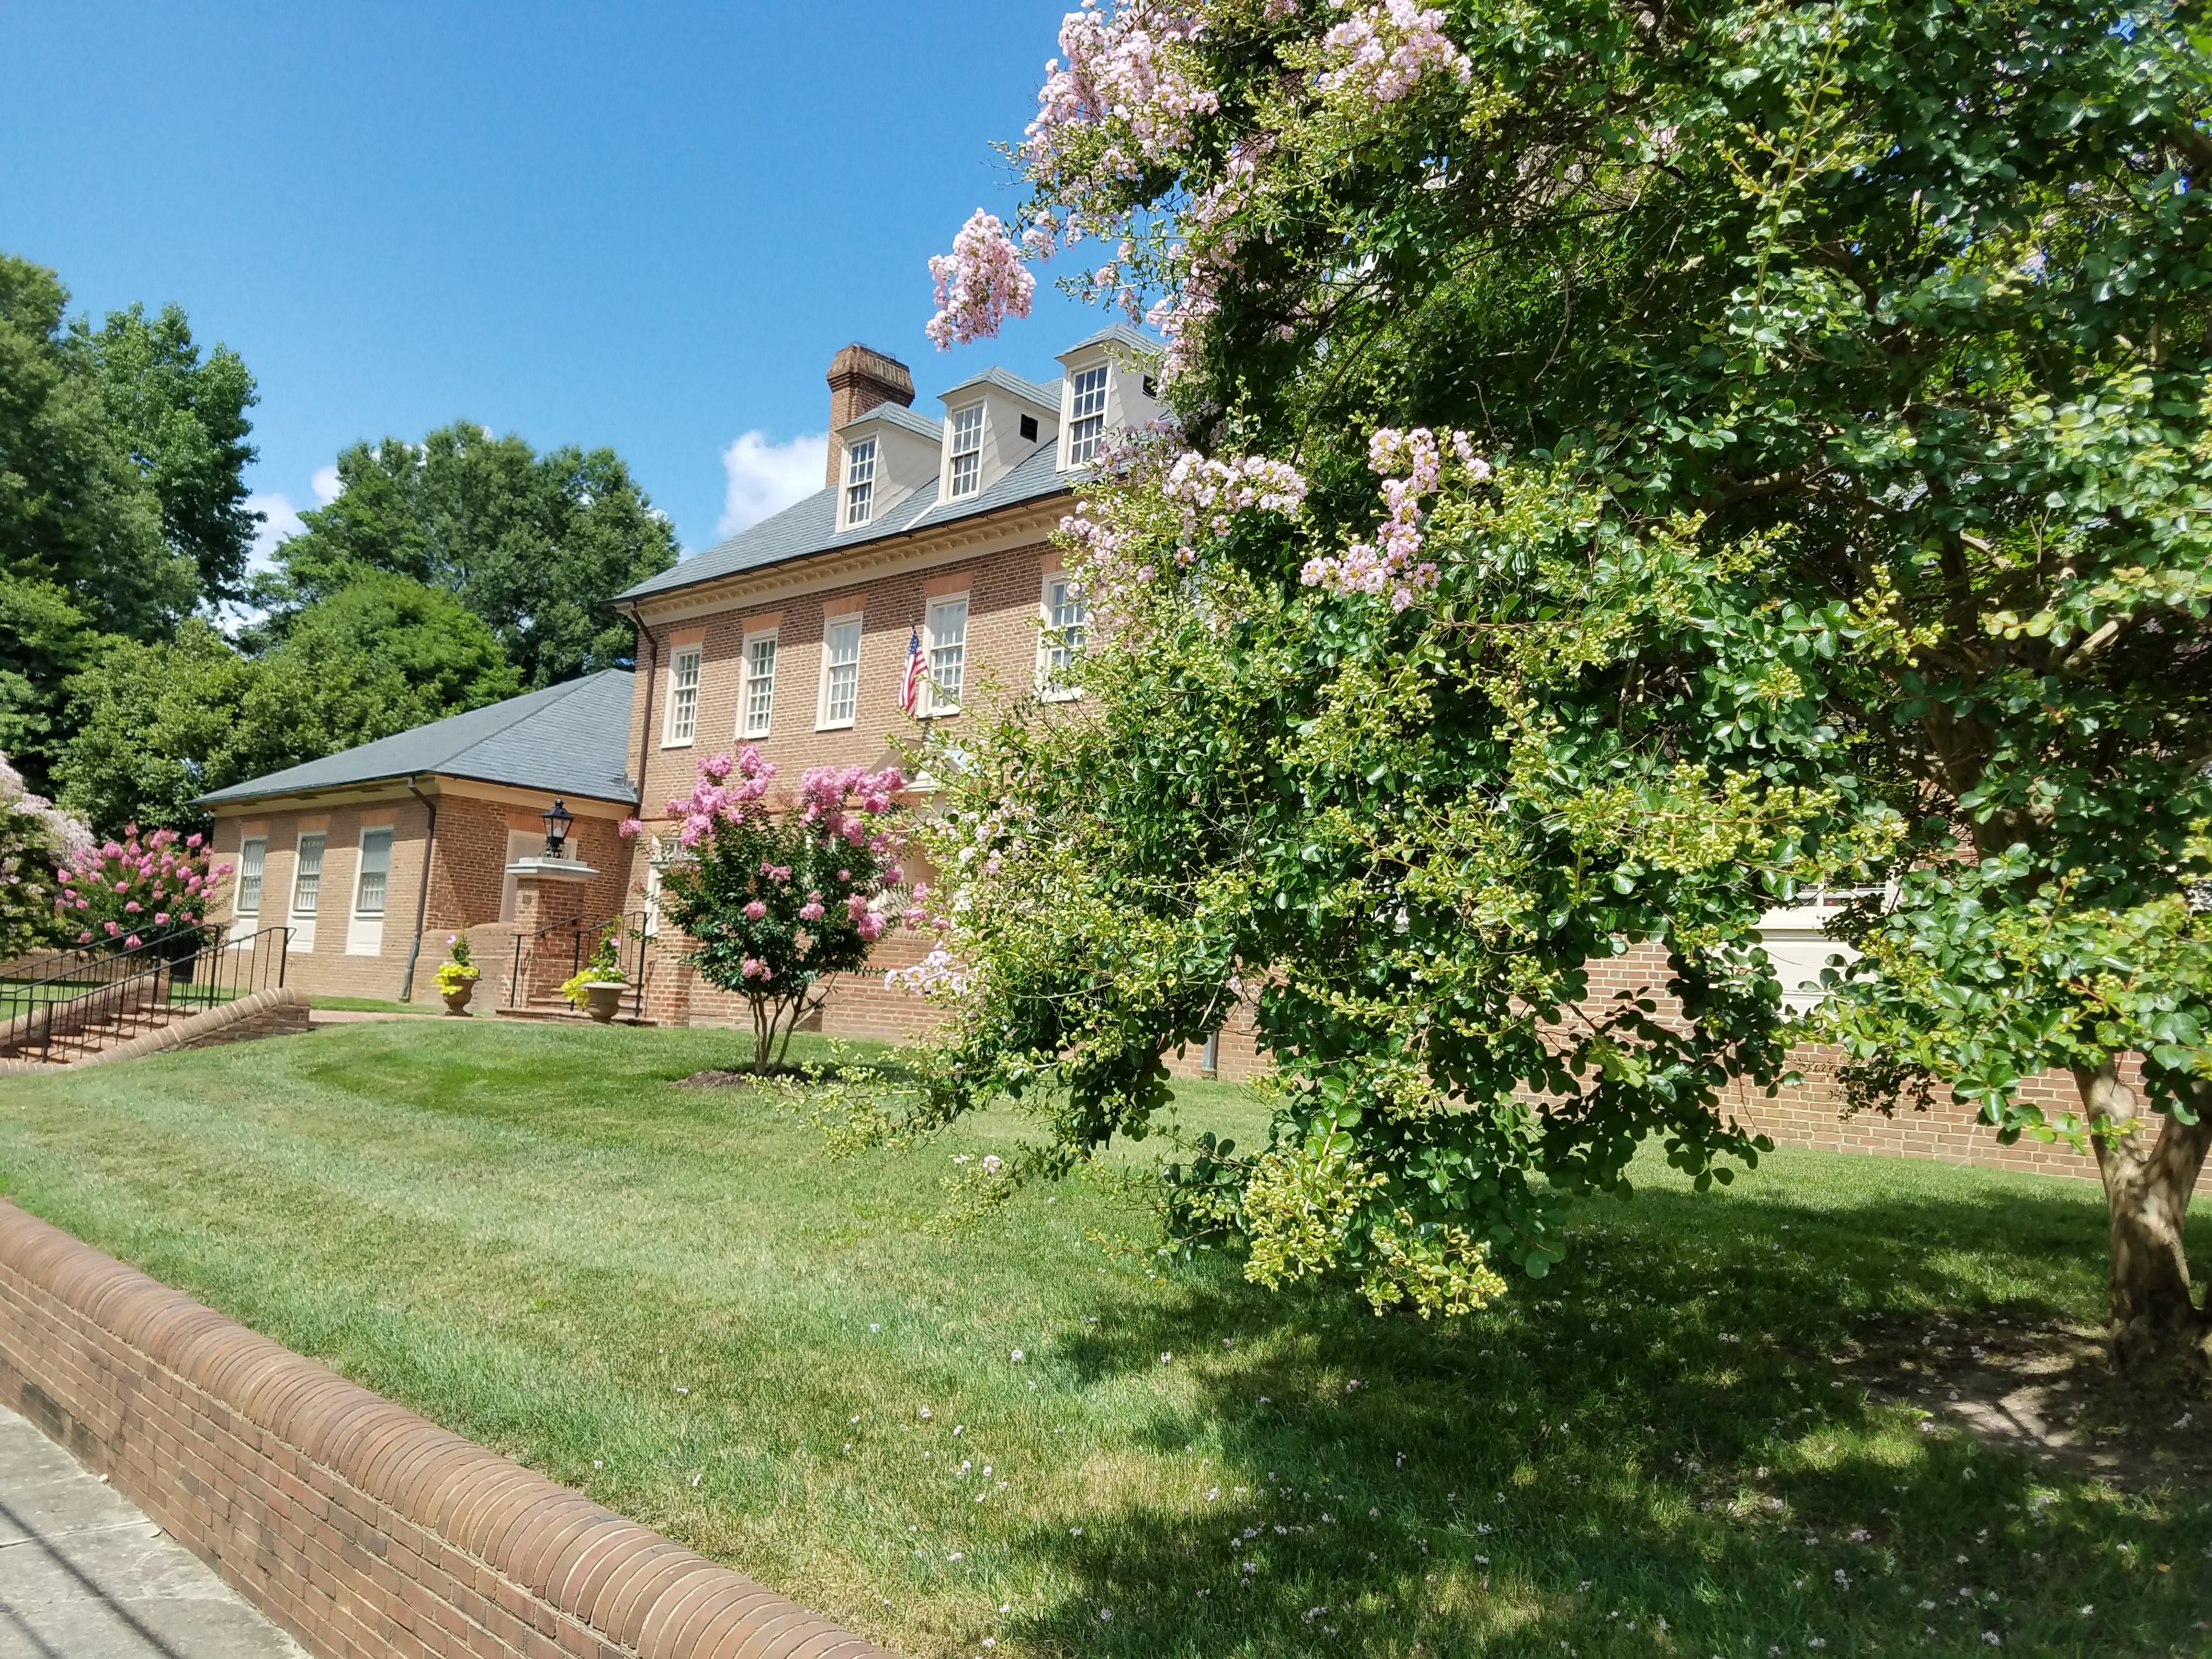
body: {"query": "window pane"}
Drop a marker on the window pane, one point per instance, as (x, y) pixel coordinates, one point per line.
(859, 481)
(376, 865)
(841, 694)
(1087, 415)
(251, 856)
(967, 450)
(1066, 615)
(683, 697)
(948, 650)
(307, 877)
(760, 684)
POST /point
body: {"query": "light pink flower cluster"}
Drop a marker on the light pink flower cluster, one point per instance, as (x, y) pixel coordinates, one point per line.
(850, 802)
(980, 283)
(1208, 491)
(1381, 53)
(63, 835)
(1392, 563)
(120, 889)
(713, 797)
(936, 975)
(1121, 82)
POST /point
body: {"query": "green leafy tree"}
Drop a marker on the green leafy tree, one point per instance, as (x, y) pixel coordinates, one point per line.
(534, 544)
(158, 724)
(1723, 449)
(36, 841)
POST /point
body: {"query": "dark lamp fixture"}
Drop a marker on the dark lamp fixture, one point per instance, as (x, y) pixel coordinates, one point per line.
(557, 817)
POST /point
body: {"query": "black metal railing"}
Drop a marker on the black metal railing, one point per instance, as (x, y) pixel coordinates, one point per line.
(73, 1003)
(538, 971)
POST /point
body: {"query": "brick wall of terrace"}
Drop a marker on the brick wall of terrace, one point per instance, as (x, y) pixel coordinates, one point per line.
(359, 1527)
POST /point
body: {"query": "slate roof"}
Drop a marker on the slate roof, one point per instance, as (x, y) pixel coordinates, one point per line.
(810, 527)
(899, 415)
(569, 739)
(1118, 334)
(1047, 396)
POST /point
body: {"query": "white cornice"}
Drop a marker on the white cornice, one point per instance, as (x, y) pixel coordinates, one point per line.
(1024, 524)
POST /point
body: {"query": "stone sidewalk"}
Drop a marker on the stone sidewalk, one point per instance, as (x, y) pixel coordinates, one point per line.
(85, 1575)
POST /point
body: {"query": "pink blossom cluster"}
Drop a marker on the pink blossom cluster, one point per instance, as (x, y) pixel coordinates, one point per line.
(1392, 563)
(1208, 491)
(714, 798)
(120, 888)
(980, 283)
(63, 835)
(1383, 53)
(1123, 82)
(936, 975)
(850, 802)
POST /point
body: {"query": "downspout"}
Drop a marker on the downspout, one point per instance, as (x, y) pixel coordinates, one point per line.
(422, 895)
(645, 726)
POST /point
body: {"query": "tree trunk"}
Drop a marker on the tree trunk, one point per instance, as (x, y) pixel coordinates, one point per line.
(2149, 1178)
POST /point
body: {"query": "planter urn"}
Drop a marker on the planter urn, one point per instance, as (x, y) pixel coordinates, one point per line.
(602, 1001)
(457, 999)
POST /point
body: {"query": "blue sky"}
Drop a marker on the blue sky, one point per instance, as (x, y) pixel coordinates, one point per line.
(646, 226)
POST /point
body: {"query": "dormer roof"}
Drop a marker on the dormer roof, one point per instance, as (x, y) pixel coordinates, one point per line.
(1046, 398)
(921, 425)
(1119, 334)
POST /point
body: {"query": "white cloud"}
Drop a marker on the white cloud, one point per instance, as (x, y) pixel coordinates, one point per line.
(328, 486)
(765, 477)
(278, 519)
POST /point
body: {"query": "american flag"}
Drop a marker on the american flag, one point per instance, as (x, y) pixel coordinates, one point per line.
(910, 687)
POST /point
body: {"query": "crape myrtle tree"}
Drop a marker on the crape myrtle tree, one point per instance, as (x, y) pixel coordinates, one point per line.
(1634, 462)
(777, 893)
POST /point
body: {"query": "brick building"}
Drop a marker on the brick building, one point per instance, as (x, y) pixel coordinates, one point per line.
(932, 533)
(372, 857)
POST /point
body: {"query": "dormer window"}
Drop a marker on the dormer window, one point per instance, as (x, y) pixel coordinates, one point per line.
(859, 481)
(967, 451)
(1086, 415)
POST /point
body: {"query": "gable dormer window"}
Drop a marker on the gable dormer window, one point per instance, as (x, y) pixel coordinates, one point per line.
(967, 451)
(1086, 415)
(859, 481)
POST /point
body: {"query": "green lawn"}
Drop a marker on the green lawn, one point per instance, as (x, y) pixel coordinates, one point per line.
(669, 1298)
(378, 1006)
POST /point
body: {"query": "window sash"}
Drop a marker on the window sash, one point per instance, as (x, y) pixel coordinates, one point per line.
(1087, 414)
(967, 450)
(1067, 619)
(760, 684)
(948, 651)
(840, 673)
(308, 876)
(683, 719)
(859, 481)
(252, 859)
(376, 869)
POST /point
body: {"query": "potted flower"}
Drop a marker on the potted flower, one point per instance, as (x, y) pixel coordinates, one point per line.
(456, 976)
(599, 986)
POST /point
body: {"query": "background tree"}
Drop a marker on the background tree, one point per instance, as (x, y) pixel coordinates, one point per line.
(1790, 424)
(534, 544)
(36, 839)
(158, 724)
(122, 456)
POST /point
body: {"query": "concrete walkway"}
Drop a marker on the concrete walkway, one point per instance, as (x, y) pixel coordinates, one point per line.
(85, 1575)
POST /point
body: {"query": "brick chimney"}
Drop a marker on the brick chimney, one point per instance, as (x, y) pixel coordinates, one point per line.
(859, 379)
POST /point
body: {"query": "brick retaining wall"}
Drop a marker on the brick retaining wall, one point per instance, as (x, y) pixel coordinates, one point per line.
(356, 1525)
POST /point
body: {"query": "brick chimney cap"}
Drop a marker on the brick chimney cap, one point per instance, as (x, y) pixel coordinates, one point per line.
(858, 360)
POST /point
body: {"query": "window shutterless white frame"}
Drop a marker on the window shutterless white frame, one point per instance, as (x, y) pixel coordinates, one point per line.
(682, 719)
(944, 649)
(252, 860)
(841, 673)
(307, 889)
(859, 481)
(372, 875)
(759, 702)
(967, 474)
(655, 859)
(1066, 616)
(1086, 415)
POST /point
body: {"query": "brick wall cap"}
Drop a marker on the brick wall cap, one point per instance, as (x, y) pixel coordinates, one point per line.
(627, 1615)
(377, 1452)
(777, 1631)
(519, 1541)
(538, 1558)
(561, 1575)
(489, 1522)
(729, 1625)
(675, 1617)
(595, 1585)
(476, 1493)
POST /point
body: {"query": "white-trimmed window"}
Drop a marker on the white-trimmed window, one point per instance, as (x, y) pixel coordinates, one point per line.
(967, 451)
(365, 928)
(682, 717)
(840, 673)
(252, 859)
(307, 889)
(947, 651)
(655, 866)
(376, 871)
(760, 684)
(859, 481)
(1086, 415)
(1066, 616)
